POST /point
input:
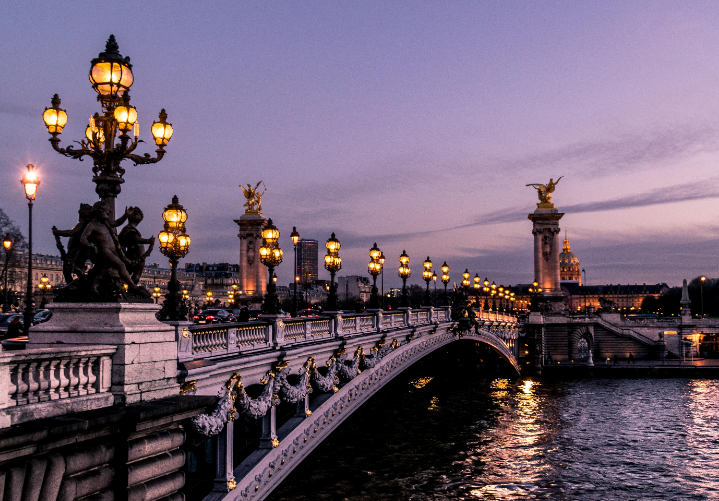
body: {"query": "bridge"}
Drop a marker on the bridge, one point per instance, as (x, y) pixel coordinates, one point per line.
(341, 360)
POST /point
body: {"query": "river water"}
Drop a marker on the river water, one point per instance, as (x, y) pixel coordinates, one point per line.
(448, 429)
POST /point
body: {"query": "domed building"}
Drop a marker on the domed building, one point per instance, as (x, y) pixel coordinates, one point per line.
(569, 264)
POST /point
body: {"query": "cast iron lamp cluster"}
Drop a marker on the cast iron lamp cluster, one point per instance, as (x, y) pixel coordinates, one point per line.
(44, 286)
(445, 281)
(374, 268)
(465, 281)
(270, 256)
(534, 290)
(175, 244)
(404, 273)
(7, 245)
(333, 264)
(427, 276)
(111, 77)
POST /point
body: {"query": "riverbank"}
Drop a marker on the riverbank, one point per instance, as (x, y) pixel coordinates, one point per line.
(698, 368)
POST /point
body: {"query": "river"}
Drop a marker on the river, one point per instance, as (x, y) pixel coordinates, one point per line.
(448, 429)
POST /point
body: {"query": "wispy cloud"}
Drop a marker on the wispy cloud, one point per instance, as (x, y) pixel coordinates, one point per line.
(623, 152)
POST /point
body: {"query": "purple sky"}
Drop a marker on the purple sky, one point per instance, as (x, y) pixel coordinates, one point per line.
(413, 124)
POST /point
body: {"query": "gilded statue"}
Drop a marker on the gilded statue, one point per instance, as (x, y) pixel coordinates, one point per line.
(254, 198)
(544, 191)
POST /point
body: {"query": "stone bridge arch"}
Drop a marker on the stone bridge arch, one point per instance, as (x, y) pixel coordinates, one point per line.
(264, 469)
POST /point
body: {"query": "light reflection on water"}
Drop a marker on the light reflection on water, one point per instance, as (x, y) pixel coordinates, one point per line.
(521, 438)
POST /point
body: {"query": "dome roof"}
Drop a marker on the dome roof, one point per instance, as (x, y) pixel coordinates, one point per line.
(569, 263)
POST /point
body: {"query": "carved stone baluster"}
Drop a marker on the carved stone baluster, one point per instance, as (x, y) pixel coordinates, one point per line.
(44, 380)
(82, 376)
(22, 386)
(32, 382)
(72, 375)
(54, 378)
(63, 372)
(13, 386)
(92, 368)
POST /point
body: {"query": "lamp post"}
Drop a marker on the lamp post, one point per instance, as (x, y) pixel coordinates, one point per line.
(295, 236)
(434, 279)
(701, 286)
(492, 293)
(333, 264)
(156, 293)
(485, 290)
(374, 268)
(381, 262)
(111, 77)
(44, 286)
(208, 298)
(465, 282)
(427, 276)
(234, 295)
(500, 296)
(30, 182)
(404, 273)
(445, 281)
(271, 256)
(7, 245)
(175, 244)
(477, 286)
(534, 290)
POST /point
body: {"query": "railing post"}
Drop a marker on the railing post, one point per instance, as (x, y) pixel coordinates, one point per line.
(336, 323)
(357, 324)
(303, 407)
(184, 339)
(406, 311)
(308, 329)
(4, 389)
(232, 341)
(269, 429)
(224, 458)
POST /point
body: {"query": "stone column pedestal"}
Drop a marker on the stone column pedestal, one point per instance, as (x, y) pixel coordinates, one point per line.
(252, 272)
(144, 367)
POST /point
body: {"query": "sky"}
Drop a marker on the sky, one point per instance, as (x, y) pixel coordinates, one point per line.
(413, 124)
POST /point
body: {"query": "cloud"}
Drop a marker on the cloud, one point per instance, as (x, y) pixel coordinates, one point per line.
(18, 109)
(624, 152)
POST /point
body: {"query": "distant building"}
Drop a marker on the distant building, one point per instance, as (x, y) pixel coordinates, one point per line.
(569, 269)
(307, 261)
(354, 287)
(619, 297)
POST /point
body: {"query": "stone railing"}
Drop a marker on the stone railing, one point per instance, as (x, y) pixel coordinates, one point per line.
(220, 339)
(46, 382)
(197, 342)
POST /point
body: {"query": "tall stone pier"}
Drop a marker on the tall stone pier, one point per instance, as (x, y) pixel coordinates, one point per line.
(253, 274)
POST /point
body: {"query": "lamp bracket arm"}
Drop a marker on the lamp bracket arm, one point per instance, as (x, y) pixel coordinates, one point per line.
(70, 151)
(146, 158)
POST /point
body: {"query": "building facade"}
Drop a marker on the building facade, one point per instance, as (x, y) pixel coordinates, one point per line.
(354, 288)
(307, 260)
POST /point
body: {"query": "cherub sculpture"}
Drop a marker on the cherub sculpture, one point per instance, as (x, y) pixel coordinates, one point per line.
(544, 191)
(133, 244)
(109, 260)
(76, 256)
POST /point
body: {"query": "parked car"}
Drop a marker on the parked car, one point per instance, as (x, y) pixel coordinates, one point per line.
(308, 313)
(255, 314)
(41, 316)
(234, 314)
(5, 319)
(212, 317)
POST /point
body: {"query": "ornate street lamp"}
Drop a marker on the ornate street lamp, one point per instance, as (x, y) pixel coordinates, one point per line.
(111, 77)
(44, 286)
(333, 264)
(534, 290)
(271, 256)
(30, 182)
(485, 289)
(7, 245)
(477, 286)
(175, 244)
(427, 276)
(374, 268)
(156, 293)
(208, 298)
(492, 293)
(381, 262)
(404, 273)
(465, 282)
(295, 236)
(445, 281)
(434, 279)
(500, 296)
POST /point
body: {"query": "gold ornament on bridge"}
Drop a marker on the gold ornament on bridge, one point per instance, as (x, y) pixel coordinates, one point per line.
(544, 192)
(254, 199)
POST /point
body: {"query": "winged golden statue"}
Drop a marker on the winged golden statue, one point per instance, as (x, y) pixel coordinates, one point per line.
(254, 198)
(544, 191)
